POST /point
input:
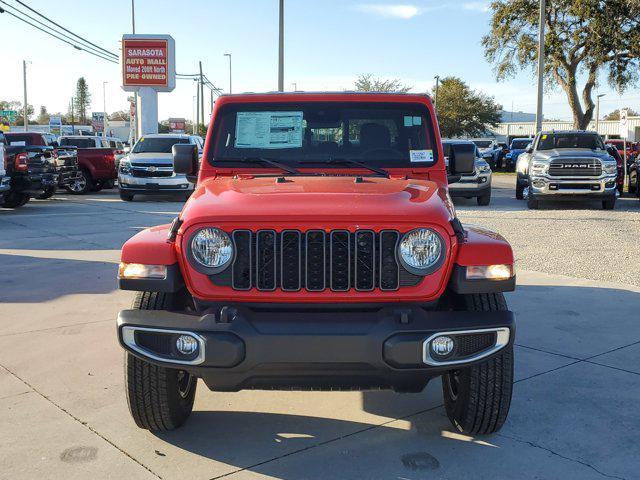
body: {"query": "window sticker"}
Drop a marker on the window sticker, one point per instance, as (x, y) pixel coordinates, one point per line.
(417, 156)
(408, 121)
(417, 121)
(268, 130)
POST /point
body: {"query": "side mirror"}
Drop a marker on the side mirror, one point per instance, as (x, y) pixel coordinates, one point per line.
(185, 160)
(529, 148)
(462, 159)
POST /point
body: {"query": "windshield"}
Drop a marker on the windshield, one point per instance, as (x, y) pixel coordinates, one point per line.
(520, 144)
(483, 143)
(570, 140)
(383, 135)
(78, 142)
(157, 144)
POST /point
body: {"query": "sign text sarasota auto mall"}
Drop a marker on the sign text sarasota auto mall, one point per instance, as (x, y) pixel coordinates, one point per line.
(148, 65)
(145, 62)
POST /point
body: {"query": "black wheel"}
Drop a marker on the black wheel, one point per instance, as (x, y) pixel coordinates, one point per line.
(633, 184)
(159, 398)
(127, 197)
(484, 199)
(108, 184)
(532, 203)
(81, 184)
(97, 186)
(15, 200)
(48, 193)
(477, 398)
(519, 191)
(609, 203)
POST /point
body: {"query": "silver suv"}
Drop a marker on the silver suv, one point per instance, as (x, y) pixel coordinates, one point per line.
(148, 168)
(561, 165)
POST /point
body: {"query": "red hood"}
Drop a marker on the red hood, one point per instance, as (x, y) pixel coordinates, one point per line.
(256, 200)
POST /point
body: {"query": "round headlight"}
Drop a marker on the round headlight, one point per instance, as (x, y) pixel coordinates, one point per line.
(212, 248)
(421, 251)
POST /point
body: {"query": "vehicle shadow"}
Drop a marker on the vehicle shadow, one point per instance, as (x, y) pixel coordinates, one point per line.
(33, 279)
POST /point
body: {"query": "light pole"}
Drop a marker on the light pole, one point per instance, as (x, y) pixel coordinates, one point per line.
(295, 86)
(541, 21)
(25, 119)
(598, 110)
(104, 110)
(134, 121)
(230, 83)
(435, 100)
(281, 48)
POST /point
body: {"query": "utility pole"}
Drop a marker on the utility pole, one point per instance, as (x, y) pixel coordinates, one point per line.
(24, 111)
(201, 95)
(193, 114)
(104, 110)
(134, 121)
(598, 110)
(197, 105)
(230, 84)
(211, 100)
(435, 100)
(295, 86)
(281, 49)
(73, 120)
(541, 23)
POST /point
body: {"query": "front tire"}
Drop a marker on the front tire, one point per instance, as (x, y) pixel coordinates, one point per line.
(159, 398)
(82, 184)
(519, 191)
(15, 200)
(127, 197)
(484, 200)
(477, 398)
(532, 203)
(48, 193)
(609, 203)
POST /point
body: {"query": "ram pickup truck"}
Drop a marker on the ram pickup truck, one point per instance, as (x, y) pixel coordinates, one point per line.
(31, 164)
(320, 250)
(96, 163)
(5, 180)
(567, 165)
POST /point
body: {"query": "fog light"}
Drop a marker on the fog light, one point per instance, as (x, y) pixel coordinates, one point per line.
(442, 346)
(187, 345)
(538, 183)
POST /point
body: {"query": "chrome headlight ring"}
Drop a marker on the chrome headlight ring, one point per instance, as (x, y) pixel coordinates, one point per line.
(210, 250)
(421, 251)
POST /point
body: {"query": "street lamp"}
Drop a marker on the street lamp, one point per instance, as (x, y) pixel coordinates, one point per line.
(104, 110)
(541, 21)
(598, 110)
(230, 83)
(25, 116)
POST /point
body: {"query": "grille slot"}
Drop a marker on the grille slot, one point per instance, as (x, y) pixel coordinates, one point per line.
(575, 167)
(266, 260)
(389, 270)
(316, 260)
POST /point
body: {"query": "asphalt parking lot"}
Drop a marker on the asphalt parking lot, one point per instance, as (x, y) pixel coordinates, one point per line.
(575, 406)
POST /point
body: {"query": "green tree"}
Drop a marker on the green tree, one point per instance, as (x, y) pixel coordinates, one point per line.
(582, 38)
(43, 117)
(15, 105)
(463, 111)
(367, 83)
(82, 100)
(615, 115)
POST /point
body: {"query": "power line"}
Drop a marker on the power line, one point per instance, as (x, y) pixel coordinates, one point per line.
(66, 30)
(84, 47)
(77, 47)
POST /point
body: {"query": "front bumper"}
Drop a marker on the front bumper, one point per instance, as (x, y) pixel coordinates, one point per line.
(65, 177)
(542, 185)
(242, 347)
(150, 185)
(471, 186)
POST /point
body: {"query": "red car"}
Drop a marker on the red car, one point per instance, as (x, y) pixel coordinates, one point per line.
(319, 250)
(96, 162)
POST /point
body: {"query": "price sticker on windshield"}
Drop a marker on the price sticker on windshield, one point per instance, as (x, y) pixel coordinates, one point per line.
(419, 156)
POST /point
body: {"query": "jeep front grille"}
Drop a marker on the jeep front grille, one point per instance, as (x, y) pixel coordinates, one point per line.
(315, 260)
(575, 167)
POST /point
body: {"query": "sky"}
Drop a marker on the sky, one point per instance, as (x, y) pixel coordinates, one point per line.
(328, 44)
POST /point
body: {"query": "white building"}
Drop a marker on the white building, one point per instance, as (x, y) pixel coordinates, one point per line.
(607, 128)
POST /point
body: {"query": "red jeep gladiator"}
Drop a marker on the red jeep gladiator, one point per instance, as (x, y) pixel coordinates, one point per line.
(320, 250)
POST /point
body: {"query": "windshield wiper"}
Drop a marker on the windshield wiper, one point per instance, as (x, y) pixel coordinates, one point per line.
(268, 161)
(348, 161)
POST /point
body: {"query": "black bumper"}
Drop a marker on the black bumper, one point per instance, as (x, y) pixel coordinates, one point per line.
(33, 184)
(478, 190)
(257, 348)
(65, 177)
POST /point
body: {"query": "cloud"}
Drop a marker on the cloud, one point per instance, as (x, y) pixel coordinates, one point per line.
(404, 12)
(476, 6)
